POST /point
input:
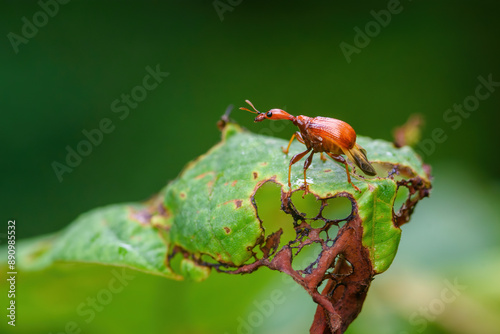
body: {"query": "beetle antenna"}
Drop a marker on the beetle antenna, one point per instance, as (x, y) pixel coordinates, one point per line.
(250, 103)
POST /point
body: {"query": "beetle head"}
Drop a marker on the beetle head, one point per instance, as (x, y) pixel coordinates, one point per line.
(274, 114)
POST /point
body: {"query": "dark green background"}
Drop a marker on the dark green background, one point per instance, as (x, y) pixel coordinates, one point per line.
(279, 55)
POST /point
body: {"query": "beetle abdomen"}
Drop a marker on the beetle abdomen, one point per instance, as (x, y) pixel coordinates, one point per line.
(333, 132)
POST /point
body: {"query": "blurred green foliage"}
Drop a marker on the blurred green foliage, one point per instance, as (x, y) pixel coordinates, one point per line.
(278, 54)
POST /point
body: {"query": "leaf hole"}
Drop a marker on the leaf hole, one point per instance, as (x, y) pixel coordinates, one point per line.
(401, 197)
(322, 285)
(268, 202)
(415, 196)
(208, 259)
(307, 258)
(317, 223)
(175, 262)
(258, 253)
(337, 208)
(341, 266)
(308, 205)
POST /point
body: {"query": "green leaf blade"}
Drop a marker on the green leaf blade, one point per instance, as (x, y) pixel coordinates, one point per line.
(380, 236)
(111, 236)
(208, 211)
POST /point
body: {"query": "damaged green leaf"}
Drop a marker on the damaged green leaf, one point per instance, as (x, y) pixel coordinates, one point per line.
(208, 209)
(208, 218)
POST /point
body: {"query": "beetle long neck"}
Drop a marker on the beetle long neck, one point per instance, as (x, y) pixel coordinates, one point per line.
(283, 115)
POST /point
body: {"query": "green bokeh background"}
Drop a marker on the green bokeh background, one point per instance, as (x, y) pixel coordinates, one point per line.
(279, 55)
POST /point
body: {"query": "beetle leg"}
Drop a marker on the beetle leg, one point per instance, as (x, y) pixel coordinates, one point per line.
(322, 157)
(340, 159)
(306, 166)
(289, 143)
(295, 158)
(298, 135)
(295, 135)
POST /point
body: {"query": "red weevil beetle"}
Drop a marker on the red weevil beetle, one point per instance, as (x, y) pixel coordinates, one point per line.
(320, 134)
